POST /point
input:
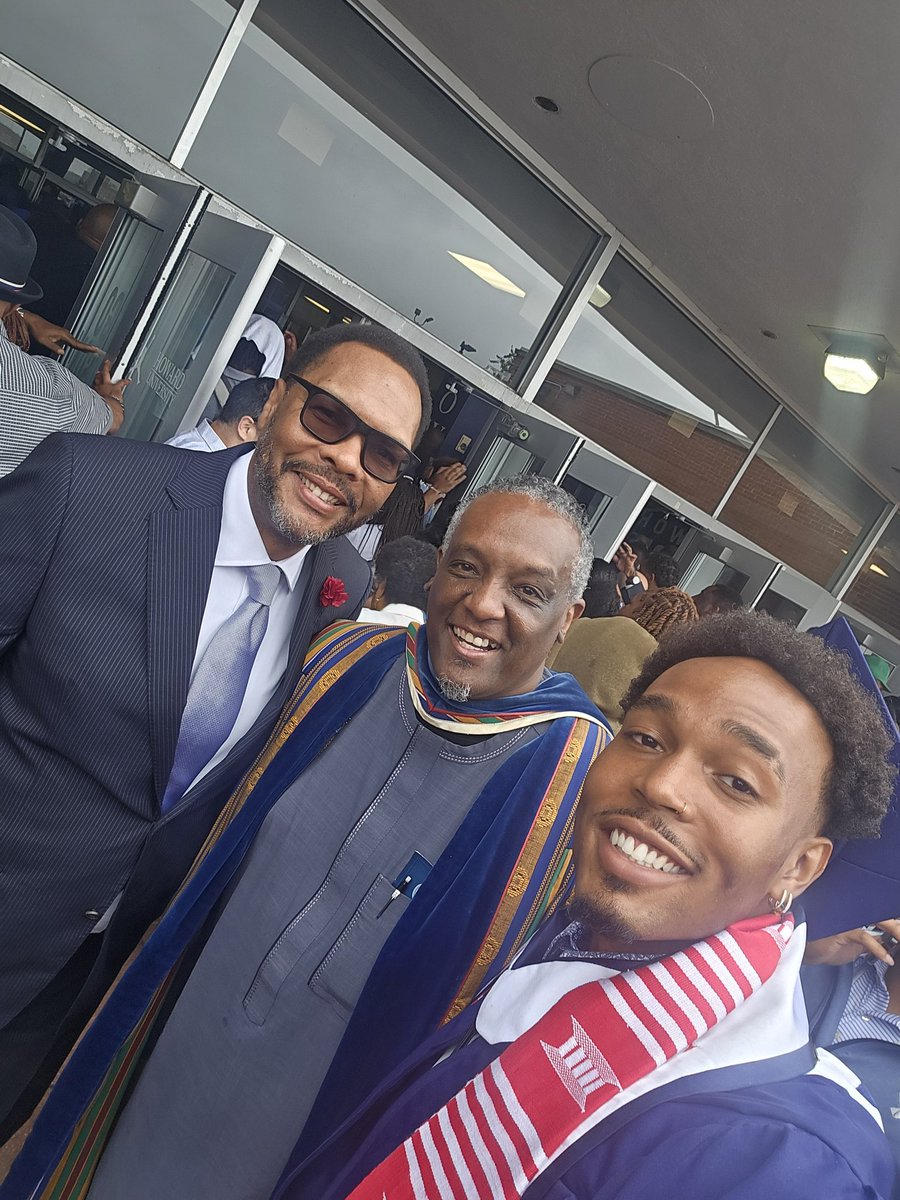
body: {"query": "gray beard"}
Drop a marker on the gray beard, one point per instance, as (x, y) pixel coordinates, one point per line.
(285, 521)
(457, 693)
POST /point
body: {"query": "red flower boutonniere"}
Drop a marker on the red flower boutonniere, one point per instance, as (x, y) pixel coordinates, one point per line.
(333, 593)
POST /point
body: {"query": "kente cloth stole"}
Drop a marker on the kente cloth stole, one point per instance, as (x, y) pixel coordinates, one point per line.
(497, 1134)
(344, 664)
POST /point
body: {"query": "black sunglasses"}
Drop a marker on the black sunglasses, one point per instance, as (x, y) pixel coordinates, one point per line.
(331, 421)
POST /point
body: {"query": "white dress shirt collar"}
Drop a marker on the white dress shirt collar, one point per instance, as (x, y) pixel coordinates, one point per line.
(391, 614)
(240, 542)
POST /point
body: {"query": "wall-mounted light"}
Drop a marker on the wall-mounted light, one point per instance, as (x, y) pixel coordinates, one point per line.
(853, 365)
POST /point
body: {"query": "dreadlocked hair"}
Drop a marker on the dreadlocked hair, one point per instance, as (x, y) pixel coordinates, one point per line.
(402, 513)
(665, 609)
(860, 784)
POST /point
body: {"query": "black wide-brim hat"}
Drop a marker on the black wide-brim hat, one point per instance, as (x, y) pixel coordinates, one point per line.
(17, 250)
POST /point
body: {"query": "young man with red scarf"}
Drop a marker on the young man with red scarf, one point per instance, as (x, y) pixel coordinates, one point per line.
(651, 1038)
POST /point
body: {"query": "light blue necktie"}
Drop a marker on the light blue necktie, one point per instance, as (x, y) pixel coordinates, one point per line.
(220, 681)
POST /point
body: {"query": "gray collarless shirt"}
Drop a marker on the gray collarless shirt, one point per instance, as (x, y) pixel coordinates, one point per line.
(228, 1087)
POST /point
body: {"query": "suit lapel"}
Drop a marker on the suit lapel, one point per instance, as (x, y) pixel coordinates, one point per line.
(181, 554)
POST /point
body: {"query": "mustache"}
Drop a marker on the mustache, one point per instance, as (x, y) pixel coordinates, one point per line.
(298, 465)
(655, 822)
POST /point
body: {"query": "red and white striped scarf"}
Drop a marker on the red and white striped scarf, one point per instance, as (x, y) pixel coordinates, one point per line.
(496, 1135)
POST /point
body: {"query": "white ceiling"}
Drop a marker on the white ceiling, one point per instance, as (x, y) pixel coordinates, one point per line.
(785, 213)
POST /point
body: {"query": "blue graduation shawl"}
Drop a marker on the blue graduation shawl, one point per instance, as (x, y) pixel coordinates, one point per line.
(470, 883)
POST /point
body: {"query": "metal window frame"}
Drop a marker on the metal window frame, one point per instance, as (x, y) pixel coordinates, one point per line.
(573, 298)
(563, 316)
(856, 562)
(213, 81)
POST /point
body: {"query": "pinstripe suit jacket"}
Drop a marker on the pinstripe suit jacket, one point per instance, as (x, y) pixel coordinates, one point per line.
(106, 552)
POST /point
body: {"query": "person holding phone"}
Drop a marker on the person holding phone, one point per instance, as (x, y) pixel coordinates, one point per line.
(634, 583)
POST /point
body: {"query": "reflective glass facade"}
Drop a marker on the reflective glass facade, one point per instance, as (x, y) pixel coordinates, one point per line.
(642, 379)
(326, 132)
(799, 501)
(876, 589)
(413, 201)
(139, 65)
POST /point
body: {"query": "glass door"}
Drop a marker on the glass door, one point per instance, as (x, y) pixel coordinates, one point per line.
(714, 554)
(611, 493)
(196, 324)
(516, 443)
(793, 598)
(151, 215)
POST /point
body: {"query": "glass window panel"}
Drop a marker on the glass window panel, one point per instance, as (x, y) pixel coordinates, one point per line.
(594, 502)
(390, 197)
(800, 502)
(776, 605)
(172, 343)
(139, 65)
(644, 381)
(10, 132)
(876, 589)
(120, 273)
(30, 144)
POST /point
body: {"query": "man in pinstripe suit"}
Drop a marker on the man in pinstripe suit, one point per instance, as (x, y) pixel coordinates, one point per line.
(124, 568)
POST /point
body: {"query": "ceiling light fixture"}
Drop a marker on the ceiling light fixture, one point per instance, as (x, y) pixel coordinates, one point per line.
(22, 120)
(600, 297)
(489, 274)
(317, 304)
(878, 570)
(853, 365)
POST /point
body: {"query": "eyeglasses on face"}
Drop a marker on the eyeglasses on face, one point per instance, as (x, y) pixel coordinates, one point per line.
(331, 421)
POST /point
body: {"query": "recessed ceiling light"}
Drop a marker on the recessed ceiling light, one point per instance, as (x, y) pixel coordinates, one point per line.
(489, 274)
(546, 104)
(878, 571)
(317, 304)
(852, 365)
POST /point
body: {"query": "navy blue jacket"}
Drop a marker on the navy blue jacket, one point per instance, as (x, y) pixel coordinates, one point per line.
(765, 1129)
(877, 1064)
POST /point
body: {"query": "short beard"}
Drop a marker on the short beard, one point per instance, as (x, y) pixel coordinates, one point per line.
(601, 920)
(286, 522)
(456, 693)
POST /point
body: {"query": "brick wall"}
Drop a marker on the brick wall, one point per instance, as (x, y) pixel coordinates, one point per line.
(698, 467)
(698, 464)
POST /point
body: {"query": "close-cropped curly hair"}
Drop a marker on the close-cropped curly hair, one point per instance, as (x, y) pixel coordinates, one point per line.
(665, 570)
(665, 609)
(861, 780)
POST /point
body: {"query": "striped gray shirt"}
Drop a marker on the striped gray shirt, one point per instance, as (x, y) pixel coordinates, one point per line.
(866, 1015)
(39, 397)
